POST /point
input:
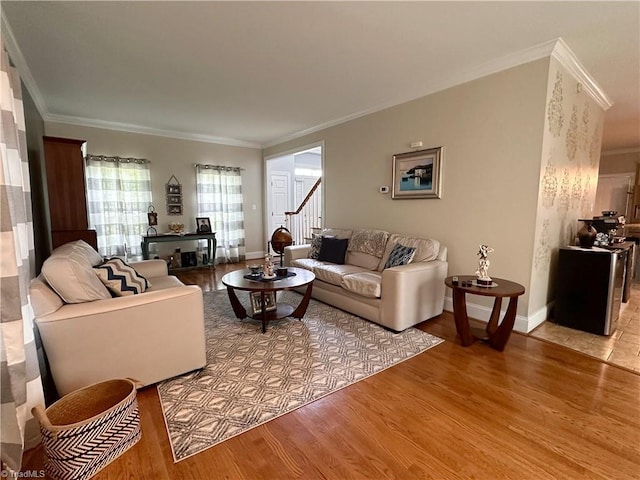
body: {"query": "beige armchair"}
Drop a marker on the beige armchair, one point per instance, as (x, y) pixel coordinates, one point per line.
(149, 337)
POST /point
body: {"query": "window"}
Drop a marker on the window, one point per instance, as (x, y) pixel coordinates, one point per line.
(219, 191)
(118, 196)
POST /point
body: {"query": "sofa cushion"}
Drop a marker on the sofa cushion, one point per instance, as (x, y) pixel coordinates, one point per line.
(69, 272)
(372, 242)
(336, 233)
(363, 260)
(332, 273)
(121, 279)
(165, 281)
(307, 263)
(43, 300)
(426, 248)
(367, 284)
(400, 255)
(366, 248)
(333, 250)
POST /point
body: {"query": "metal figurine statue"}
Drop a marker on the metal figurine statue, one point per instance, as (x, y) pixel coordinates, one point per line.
(483, 265)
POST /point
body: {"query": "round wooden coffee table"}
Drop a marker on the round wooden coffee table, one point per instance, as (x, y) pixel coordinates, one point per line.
(496, 334)
(236, 281)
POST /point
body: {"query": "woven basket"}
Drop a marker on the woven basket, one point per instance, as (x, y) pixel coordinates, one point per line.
(87, 429)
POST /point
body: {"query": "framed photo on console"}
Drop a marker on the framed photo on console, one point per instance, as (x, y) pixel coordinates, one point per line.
(204, 224)
(417, 174)
(269, 302)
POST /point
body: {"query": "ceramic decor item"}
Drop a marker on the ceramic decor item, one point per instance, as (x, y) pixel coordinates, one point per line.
(587, 234)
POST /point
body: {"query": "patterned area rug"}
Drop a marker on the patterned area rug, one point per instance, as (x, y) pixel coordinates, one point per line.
(252, 377)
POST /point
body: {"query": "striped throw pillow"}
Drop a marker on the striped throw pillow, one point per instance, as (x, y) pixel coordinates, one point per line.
(400, 255)
(121, 279)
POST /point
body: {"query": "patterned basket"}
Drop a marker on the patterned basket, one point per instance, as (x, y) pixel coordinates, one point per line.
(87, 429)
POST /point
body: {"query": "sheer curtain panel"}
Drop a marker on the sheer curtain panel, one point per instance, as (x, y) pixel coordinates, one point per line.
(118, 197)
(219, 191)
(20, 385)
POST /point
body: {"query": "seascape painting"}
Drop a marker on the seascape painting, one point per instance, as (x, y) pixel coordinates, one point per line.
(416, 177)
(417, 174)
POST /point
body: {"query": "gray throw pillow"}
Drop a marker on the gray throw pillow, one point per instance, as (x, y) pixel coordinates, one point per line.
(400, 255)
(316, 241)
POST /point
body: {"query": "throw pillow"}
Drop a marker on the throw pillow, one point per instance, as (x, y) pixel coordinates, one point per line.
(400, 255)
(121, 279)
(316, 242)
(333, 250)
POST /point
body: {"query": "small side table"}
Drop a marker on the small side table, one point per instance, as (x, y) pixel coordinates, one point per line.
(497, 334)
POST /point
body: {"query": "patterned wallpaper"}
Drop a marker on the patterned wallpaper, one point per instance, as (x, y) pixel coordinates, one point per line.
(568, 177)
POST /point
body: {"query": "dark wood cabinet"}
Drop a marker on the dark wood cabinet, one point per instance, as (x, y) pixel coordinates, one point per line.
(67, 191)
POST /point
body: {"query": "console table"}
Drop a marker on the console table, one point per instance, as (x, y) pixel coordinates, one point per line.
(210, 237)
(496, 334)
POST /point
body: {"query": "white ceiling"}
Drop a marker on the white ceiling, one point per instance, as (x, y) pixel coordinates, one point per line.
(256, 73)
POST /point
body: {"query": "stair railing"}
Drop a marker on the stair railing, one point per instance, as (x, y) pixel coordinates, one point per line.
(307, 217)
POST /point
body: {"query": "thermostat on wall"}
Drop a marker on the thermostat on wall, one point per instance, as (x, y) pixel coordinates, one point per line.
(384, 189)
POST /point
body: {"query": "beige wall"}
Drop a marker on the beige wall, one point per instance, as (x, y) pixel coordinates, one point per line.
(491, 130)
(568, 178)
(170, 156)
(615, 163)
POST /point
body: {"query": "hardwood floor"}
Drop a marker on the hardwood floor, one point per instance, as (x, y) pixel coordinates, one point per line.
(535, 411)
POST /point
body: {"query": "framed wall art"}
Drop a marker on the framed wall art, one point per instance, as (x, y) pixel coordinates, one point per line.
(174, 196)
(417, 174)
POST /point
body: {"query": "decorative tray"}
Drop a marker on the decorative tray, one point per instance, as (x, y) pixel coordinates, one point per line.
(262, 278)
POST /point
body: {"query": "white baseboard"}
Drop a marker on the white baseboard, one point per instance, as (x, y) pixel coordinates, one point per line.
(254, 255)
(523, 324)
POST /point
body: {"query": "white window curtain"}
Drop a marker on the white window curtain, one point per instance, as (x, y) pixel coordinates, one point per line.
(118, 195)
(20, 383)
(219, 191)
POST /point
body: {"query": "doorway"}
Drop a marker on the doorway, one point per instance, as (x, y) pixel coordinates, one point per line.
(614, 194)
(289, 178)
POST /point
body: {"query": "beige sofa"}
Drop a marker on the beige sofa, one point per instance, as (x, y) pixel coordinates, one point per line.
(90, 336)
(397, 297)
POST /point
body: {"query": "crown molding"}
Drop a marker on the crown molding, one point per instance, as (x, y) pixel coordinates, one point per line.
(25, 74)
(563, 54)
(621, 151)
(18, 60)
(521, 57)
(125, 127)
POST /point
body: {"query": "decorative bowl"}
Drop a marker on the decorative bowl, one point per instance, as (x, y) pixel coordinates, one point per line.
(176, 227)
(255, 269)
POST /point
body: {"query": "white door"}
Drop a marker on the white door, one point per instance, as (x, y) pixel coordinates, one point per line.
(280, 200)
(613, 193)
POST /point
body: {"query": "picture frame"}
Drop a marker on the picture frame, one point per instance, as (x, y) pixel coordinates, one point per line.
(417, 174)
(269, 302)
(174, 209)
(188, 259)
(174, 199)
(203, 225)
(174, 189)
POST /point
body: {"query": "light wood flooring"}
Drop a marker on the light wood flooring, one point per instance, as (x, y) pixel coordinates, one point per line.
(537, 410)
(620, 348)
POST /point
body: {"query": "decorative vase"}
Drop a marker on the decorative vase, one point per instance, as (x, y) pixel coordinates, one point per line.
(587, 234)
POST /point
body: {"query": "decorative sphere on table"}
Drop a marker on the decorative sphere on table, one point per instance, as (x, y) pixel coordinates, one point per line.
(280, 239)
